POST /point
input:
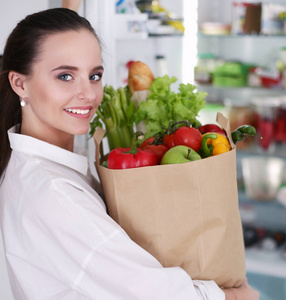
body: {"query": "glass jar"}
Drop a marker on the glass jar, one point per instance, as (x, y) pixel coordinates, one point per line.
(281, 123)
(205, 67)
(161, 68)
(265, 117)
(239, 113)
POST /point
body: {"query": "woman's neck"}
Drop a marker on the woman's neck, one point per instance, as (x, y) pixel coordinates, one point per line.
(50, 135)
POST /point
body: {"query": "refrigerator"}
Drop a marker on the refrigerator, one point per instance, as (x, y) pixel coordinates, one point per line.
(265, 267)
(125, 38)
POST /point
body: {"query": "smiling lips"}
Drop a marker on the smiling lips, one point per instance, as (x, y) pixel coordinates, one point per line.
(78, 112)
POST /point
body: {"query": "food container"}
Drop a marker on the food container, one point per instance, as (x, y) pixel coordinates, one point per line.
(239, 113)
(246, 18)
(215, 28)
(205, 67)
(131, 26)
(161, 68)
(231, 74)
(270, 22)
(152, 25)
(281, 123)
(262, 177)
(265, 121)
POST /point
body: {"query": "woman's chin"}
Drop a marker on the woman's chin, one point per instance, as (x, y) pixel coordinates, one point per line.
(81, 131)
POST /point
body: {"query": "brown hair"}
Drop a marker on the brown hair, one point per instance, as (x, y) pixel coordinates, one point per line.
(21, 51)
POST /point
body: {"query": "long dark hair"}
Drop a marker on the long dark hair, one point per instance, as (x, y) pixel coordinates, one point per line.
(21, 51)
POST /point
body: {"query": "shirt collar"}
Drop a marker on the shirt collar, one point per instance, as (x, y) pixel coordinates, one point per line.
(32, 146)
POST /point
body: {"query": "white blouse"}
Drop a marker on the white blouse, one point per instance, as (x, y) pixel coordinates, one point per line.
(61, 244)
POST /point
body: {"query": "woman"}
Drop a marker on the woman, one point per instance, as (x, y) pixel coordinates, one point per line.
(59, 241)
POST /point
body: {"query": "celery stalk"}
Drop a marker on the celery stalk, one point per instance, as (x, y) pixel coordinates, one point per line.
(114, 139)
(115, 112)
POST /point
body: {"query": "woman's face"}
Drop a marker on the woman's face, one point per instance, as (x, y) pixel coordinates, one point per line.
(65, 88)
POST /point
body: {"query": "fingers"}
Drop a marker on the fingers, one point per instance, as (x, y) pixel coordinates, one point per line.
(244, 282)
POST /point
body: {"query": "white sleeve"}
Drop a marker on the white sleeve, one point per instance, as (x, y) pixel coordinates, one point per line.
(208, 290)
(203, 290)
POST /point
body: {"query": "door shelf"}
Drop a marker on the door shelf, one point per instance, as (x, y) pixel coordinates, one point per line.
(218, 94)
(130, 26)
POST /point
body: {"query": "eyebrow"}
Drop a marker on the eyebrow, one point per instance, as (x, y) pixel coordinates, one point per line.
(72, 68)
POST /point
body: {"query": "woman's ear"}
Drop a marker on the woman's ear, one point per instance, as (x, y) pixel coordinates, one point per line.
(16, 81)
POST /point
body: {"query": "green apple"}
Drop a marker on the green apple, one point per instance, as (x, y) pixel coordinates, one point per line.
(179, 154)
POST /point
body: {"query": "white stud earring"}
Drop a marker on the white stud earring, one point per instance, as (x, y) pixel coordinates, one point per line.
(22, 103)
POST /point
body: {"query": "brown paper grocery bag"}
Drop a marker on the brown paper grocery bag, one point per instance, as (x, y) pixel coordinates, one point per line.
(185, 215)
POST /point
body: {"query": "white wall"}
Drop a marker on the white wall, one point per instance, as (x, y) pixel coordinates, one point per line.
(12, 11)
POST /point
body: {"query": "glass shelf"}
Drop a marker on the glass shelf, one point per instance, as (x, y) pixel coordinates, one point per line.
(265, 262)
(264, 89)
(165, 35)
(253, 151)
(244, 200)
(270, 215)
(240, 36)
(217, 94)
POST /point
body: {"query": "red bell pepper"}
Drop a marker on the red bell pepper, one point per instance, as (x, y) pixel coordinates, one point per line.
(211, 128)
(131, 157)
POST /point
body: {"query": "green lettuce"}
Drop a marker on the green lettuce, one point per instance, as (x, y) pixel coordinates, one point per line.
(163, 105)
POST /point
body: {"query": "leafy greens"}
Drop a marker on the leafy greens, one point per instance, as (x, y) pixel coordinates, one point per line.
(163, 105)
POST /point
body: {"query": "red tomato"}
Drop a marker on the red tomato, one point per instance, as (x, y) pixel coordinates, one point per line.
(159, 150)
(147, 142)
(211, 128)
(168, 140)
(188, 136)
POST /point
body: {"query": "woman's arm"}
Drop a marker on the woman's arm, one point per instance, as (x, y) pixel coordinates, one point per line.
(245, 291)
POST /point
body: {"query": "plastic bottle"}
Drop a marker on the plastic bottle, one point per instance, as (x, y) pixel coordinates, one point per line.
(161, 68)
(126, 7)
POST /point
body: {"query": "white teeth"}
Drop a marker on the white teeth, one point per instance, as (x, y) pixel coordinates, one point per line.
(77, 111)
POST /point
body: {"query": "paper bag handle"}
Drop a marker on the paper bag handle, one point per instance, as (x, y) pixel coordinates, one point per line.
(224, 123)
(98, 136)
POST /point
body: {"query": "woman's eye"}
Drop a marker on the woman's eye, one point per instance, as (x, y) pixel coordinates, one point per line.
(95, 77)
(65, 77)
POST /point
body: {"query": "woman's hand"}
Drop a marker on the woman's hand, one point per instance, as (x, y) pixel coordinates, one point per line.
(71, 4)
(245, 291)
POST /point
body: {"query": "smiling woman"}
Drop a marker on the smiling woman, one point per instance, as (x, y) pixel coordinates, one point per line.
(64, 90)
(32, 94)
(60, 243)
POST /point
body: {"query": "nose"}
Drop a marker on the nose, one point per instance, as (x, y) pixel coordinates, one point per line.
(86, 91)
